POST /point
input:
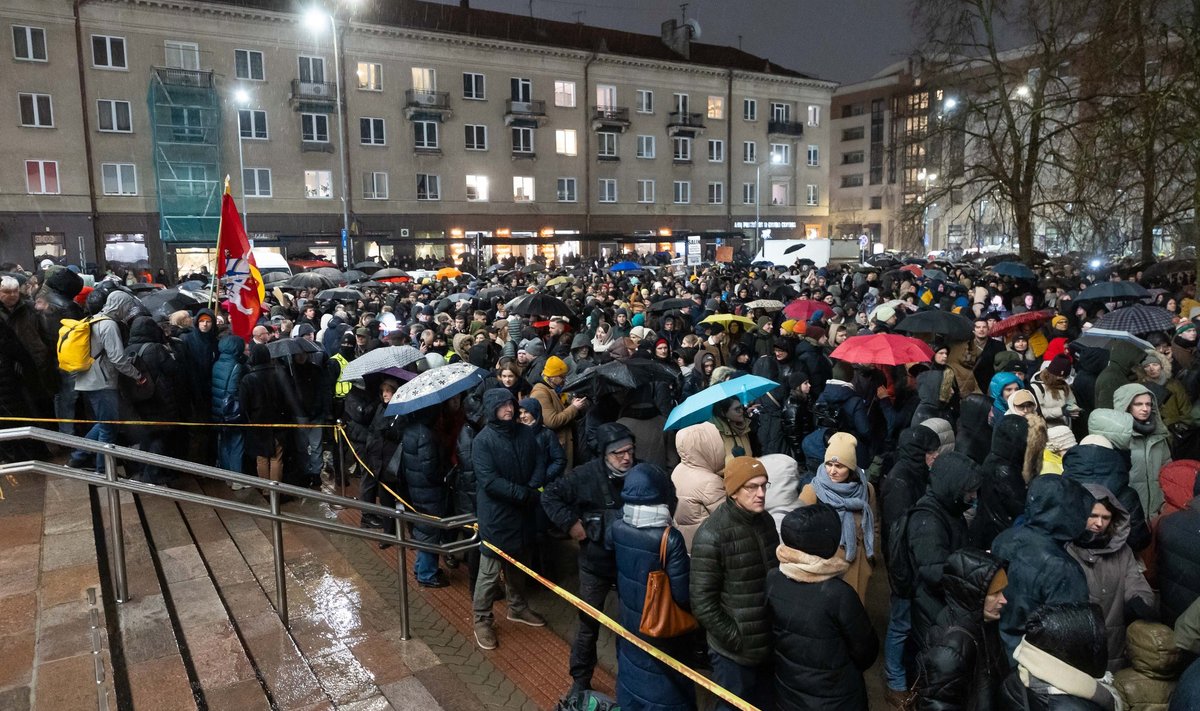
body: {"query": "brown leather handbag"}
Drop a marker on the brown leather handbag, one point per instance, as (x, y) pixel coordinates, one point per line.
(661, 617)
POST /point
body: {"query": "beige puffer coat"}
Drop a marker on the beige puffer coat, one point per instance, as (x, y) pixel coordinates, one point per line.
(697, 478)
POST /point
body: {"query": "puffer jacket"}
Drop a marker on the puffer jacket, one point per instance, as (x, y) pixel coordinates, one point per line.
(227, 372)
(963, 662)
(1089, 362)
(1103, 458)
(557, 417)
(1121, 370)
(1155, 665)
(812, 363)
(148, 347)
(556, 457)
(1054, 404)
(934, 389)
(1178, 540)
(731, 554)
(1016, 457)
(1040, 571)
(1148, 453)
(1114, 577)
(423, 468)
(974, 435)
(697, 477)
(464, 484)
(908, 479)
(784, 493)
(259, 394)
(506, 459)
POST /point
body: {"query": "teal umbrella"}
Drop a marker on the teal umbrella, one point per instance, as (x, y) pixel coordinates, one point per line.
(699, 407)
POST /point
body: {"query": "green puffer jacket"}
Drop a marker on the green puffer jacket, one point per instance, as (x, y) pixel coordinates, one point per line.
(1155, 670)
(1148, 452)
(731, 554)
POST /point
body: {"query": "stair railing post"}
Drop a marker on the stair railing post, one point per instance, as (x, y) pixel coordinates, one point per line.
(402, 570)
(117, 530)
(339, 456)
(281, 603)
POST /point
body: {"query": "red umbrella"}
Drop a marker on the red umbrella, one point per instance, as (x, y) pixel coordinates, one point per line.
(803, 309)
(883, 349)
(1013, 322)
(913, 269)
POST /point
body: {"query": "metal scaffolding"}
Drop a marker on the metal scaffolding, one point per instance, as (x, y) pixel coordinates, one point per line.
(185, 116)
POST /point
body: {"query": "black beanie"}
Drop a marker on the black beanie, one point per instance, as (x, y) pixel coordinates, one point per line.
(814, 529)
(66, 282)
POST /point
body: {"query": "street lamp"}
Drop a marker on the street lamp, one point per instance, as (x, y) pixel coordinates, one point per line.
(316, 19)
(927, 178)
(242, 98)
(771, 160)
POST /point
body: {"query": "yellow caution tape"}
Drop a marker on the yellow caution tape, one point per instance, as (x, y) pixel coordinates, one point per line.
(161, 423)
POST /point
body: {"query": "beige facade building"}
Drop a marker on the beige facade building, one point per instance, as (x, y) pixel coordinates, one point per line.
(463, 128)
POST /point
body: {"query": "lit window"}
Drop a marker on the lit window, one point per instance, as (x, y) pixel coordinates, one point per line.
(781, 153)
(716, 107)
(477, 188)
(564, 94)
(370, 76)
(564, 142)
(522, 188)
(318, 184)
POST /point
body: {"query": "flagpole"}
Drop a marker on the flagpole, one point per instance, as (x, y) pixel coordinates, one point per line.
(212, 284)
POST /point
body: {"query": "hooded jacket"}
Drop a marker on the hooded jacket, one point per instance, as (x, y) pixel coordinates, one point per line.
(995, 392)
(963, 663)
(423, 468)
(1114, 577)
(148, 346)
(1015, 459)
(935, 388)
(1040, 571)
(557, 417)
(1148, 453)
(108, 346)
(908, 479)
(258, 393)
(556, 458)
(974, 435)
(1123, 361)
(697, 380)
(227, 372)
(1089, 362)
(199, 354)
(814, 364)
(1178, 539)
(1108, 466)
(1155, 665)
(697, 478)
(507, 459)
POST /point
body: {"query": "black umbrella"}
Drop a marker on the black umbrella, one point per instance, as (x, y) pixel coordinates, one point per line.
(1113, 291)
(946, 324)
(1137, 319)
(168, 301)
(668, 305)
(369, 266)
(620, 376)
(1171, 266)
(352, 275)
(795, 248)
(784, 292)
(539, 304)
(533, 267)
(308, 280)
(339, 294)
(275, 277)
(494, 268)
(491, 293)
(145, 288)
(391, 273)
(288, 347)
(333, 274)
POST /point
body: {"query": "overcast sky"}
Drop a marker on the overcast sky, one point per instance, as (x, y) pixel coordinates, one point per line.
(842, 40)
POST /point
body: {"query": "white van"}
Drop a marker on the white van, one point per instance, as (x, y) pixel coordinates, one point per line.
(268, 260)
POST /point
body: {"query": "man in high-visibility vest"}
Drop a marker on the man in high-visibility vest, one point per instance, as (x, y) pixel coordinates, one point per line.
(341, 389)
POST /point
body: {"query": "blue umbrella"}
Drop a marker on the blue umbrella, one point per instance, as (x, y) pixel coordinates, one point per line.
(698, 408)
(625, 267)
(1016, 270)
(434, 387)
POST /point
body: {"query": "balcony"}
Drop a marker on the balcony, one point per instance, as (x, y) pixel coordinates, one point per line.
(785, 128)
(192, 78)
(529, 114)
(683, 123)
(610, 117)
(313, 96)
(426, 105)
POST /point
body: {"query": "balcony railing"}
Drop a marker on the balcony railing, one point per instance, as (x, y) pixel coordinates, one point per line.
(785, 128)
(428, 100)
(685, 119)
(195, 78)
(314, 90)
(611, 114)
(525, 108)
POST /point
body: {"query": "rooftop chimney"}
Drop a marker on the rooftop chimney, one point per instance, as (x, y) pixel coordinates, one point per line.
(677, 37)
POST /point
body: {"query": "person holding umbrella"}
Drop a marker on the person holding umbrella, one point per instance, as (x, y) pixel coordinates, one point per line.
(557, 414)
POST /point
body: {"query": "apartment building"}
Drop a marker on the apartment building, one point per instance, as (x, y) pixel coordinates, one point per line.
(463, 128)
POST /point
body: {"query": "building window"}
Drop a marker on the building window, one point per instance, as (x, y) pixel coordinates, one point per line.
(814, 156)
(716, 151)
(318, 184)
(114, 116)
(645, 191)
(814, 115)
(41, 177)
(608, 190)
(749, 193)
(477, 188)
(876, 202)
(252, 123)
(522, 139)
(645, 146)
(521, 89)
(312, 69)
(781, 153)
(645, 101)
(852, 157)
(118, 178)
(681, 148)
(425, 135)
(29, 43)
(564, 94)
(36, 111)
(566, 190)
(182, 55)
(370, 76)
(564, 142)
(522, 188)
(781, 112)
(248, 65)
(606, 146)
(474, 86)
(429, 187)
(854, 134)
(257, 182)
(750, 109)
(682, 192)
(852, 181)
(108, 52)
(779, 192)
(424, 79)
(716, 107)
(375, 185)
(716, 193)
(749, 152)
(49, 245)
(682, 104)
(476, 135)
(371, 133)
(814, 195)
(314, 128)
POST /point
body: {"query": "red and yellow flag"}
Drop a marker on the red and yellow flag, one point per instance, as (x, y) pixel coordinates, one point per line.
(243, 284)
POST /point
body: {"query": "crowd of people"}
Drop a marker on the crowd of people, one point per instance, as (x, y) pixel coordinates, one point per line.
(1026, 496)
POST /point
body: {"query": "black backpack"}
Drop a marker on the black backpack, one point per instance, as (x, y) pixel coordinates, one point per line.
(827, 415)
(132, 390)
(902, 571)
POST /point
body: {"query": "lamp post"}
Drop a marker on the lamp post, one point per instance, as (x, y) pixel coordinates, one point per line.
(242, 98)
(315, 19)
(771, 160)
(926, 177)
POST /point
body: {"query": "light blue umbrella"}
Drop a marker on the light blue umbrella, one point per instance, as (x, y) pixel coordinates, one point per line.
(625, 267)
(698, 408)
(434, 387)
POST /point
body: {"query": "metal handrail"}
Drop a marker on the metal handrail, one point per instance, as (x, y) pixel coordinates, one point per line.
(274, 490)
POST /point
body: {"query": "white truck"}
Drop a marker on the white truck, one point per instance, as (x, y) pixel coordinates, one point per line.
(822, 252)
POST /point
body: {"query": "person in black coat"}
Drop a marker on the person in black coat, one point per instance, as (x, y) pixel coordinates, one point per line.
(1091, 462)
(1016, 458)
(507, 460)
(771, 423)
(556, 458)
(422, 469)
(812, 361)
(166, 403)
(964, 661)
(261, 404)
(823, 636)
(974, 435)
(1179, 558)
(1060, 661)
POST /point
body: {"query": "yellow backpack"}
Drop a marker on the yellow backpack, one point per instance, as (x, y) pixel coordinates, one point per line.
(74, 346)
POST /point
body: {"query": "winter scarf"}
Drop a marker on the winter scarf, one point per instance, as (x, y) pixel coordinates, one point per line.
(647, 515)
(1037, 667)
(807, 568)
(848, 497)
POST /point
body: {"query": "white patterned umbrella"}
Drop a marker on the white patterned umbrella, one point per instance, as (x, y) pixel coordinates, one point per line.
(379, 360)
(434, 387)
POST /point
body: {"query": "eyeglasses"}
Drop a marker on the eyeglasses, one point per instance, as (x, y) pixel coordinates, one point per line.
(627, 452)
(756, 487)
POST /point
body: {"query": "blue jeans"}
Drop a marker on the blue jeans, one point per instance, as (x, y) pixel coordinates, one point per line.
(426, 567)
(754, 684)
(899, 628)
(105, 405)
(230, 447)
(1187, 694)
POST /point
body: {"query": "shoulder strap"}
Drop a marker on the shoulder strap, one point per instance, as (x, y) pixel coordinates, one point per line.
(662, 548)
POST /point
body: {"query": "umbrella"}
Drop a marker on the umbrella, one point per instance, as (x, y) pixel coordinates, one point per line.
(494, 268)
(331, 273)
(625, 267)
(539, 304)
(668, 305)
(765, 304)
(352, 275)
(309, 280)
(726, 319)
(275, 277)
(491, 293)
(144, 288)
(913, 269)
(1171, 266)
(168, 301)
(894, 304)
(288, 347)
(460, 296)
(380, 360)
(998, 258)
(795, 248)
(619, 376)
(784, 292)
(339, 294)
(1013, 322)
(434, 387)
(1137, 319)
(803, 309)
(937, 274)
(1113, 291)
(533, 267)
(369, 266)
(698, 408)
(390, 274)
(447, 273)
(883, 349)
(1104, 338)
(946, 324)
(1016, 270)
(560, 280)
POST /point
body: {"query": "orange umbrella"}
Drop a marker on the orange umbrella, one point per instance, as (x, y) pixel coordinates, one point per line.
(448, 273)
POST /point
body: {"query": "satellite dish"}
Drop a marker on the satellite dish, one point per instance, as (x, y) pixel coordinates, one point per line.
(695, 26)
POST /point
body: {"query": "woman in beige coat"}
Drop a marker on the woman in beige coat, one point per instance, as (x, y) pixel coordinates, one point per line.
(699, 486)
